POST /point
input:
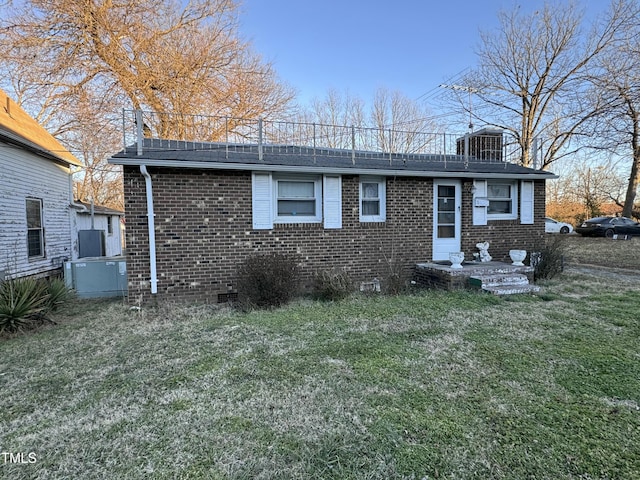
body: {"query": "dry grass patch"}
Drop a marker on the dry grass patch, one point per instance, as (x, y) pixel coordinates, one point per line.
(624, 254)
(435, 385)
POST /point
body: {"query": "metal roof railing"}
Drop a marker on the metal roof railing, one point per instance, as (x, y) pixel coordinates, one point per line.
(155, 131)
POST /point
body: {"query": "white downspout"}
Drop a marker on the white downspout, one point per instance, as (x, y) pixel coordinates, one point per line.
(152, 230)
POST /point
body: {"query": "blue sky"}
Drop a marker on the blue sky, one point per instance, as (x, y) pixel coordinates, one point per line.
(359, 45)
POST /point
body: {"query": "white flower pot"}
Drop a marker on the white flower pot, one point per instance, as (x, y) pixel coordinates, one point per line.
(517, 257)
(456, 259)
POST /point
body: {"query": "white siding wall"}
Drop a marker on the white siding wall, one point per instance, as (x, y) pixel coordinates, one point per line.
(22, 175)
(112, 243)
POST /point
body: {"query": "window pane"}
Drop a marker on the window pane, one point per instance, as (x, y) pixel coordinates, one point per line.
(499, 206)
(296, 207)
(446, 231)
(446, 218)
(499, 191)
(34, 243)
(446, 205)
(370, 190)
(446, 191)
(34, 219)
(371, 207)
(296, 189)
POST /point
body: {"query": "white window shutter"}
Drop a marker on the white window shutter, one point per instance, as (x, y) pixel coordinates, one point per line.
(332, 201)
(262, 201)
(479, 212)
(526, 202)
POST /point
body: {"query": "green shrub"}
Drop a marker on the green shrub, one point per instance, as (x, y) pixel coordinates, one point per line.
(58, 293)
(550, 261)
(268, 280)
(23, 303)
(332, 284)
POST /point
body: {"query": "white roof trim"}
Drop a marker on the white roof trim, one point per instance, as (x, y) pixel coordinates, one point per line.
(256, 167)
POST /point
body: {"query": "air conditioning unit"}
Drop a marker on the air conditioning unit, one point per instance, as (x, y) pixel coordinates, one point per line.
(97, 277)
(90, 243)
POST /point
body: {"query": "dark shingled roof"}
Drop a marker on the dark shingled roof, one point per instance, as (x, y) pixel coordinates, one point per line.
(290, 158)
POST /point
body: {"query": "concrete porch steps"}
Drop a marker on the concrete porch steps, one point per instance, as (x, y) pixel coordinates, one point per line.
(503, 283)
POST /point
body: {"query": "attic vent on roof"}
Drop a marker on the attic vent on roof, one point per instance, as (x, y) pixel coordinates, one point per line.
(8, 107)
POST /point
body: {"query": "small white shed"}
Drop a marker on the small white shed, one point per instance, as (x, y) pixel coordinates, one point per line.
(97, 231)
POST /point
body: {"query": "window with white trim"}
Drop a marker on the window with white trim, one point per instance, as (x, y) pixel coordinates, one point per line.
(502, 196)
(372, 199)
(35, 230)
(297, 199)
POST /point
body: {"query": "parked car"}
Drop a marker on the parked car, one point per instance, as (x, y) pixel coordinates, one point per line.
(608, 227)
(554, 226)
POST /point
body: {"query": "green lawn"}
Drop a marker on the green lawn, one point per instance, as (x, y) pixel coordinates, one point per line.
(435, 385)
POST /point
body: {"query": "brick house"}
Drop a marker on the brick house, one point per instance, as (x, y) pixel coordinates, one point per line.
(195, 211)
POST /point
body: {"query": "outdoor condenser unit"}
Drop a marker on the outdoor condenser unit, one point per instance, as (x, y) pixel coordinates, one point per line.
(97, 277)
(90, 243)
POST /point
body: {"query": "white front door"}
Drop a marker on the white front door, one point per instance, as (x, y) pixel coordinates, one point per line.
(446, 218)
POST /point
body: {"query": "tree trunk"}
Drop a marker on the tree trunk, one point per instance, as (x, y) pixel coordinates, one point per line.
(632, 187)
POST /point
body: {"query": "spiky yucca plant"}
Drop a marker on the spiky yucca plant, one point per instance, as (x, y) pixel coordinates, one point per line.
(23, 301)
(58, 292)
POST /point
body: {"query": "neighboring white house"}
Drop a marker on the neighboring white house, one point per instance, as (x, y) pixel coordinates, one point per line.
(35, 195)
(106, 221)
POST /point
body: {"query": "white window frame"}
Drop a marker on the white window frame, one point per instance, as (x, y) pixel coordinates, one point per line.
(514, 200)
(317, 182)
(39, 229)
(382, 198)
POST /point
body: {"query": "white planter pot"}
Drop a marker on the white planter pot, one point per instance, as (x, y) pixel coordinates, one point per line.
(456, 259)
(517, 257)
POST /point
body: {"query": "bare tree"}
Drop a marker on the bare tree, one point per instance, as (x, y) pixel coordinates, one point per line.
(177, 58)
(332, 114)
(393, 123)
(158, 54)
(617, 129)
(532, 76)
(401, 122)
(589, 185)
(91, 139)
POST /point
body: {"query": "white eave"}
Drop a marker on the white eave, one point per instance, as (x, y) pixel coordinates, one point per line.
(269, 167)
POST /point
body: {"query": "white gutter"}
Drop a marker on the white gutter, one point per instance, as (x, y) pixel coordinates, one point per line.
(152, 230)
(387, 172)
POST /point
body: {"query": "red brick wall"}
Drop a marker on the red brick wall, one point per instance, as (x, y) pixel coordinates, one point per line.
(204, 231)
(503, 235)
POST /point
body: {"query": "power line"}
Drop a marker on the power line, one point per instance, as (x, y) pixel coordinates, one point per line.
(432, 93)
